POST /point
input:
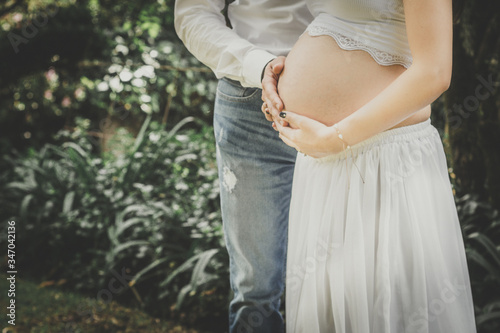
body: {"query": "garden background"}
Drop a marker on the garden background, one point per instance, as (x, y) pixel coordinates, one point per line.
(108, 167)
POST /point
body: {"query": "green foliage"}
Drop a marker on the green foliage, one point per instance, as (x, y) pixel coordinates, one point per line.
(152, 210)
(96, 59)
(46, 308)
(471, 105)
(103, 193)
(481, 227)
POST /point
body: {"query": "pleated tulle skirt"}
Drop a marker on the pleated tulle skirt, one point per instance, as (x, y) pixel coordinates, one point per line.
(378, 250)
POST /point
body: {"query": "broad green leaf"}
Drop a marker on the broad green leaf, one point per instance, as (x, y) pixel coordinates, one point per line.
(68, 201)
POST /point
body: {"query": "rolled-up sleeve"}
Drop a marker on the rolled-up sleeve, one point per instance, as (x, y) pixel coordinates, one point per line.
(202, 28)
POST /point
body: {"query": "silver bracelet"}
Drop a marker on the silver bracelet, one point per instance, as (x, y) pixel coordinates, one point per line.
(345, 148)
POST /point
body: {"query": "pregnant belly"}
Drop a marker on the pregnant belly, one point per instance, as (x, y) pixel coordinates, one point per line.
(326, 83)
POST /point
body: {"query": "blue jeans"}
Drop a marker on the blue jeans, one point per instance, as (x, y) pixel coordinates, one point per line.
(255, 172)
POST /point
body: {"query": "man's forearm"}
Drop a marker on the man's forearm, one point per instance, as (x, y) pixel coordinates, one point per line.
(202, 28)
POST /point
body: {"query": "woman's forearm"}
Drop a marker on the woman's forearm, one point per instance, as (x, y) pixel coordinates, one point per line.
(410, 92)
(429, 30)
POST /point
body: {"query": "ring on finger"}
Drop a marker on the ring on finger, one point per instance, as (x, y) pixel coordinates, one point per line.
(266, 109)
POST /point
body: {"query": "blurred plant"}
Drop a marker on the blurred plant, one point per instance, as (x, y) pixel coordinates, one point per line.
(481, 228)
(104, 59)
(105, 193)
(470, 107)
(152, 209)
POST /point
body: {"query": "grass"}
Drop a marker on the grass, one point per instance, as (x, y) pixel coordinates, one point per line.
(44, 308)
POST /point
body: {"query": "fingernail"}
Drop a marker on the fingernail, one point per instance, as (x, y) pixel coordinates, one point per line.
(268, 112)
(283, 114)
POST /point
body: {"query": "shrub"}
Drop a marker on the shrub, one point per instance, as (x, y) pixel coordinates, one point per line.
(152, 211)
(481, 228)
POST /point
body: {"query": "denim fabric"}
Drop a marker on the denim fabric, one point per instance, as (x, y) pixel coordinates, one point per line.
(255, 171)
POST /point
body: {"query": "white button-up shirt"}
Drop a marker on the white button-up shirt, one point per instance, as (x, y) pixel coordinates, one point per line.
(262, 30)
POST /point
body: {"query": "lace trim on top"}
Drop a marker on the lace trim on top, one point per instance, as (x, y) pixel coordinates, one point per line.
(381, 57)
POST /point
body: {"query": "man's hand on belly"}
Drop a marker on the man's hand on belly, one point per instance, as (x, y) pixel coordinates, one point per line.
(273, 104)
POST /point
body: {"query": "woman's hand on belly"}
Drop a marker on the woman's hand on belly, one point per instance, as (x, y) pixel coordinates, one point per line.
(273, 104)
(308, 136)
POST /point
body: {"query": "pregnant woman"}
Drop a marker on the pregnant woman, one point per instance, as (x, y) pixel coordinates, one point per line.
(374, 243)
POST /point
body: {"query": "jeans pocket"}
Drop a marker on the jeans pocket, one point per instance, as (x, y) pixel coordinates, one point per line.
(231, 90)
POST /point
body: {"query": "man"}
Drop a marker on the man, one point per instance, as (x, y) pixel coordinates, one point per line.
(255, 166)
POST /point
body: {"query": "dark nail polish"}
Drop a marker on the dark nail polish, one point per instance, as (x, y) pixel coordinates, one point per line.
(283, 114)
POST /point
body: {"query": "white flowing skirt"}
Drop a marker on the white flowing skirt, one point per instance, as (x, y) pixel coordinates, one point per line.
(378, 250)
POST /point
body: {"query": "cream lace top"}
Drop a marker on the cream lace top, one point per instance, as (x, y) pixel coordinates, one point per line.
(375, 26)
